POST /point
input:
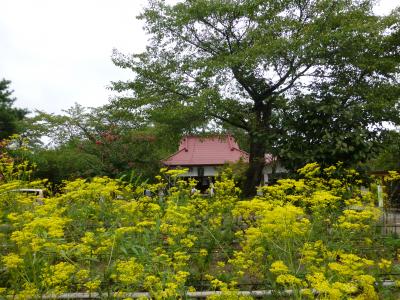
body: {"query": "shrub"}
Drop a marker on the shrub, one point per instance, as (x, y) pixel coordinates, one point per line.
(309, 235)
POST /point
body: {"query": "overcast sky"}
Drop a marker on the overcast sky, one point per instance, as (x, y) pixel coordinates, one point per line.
(58, 52)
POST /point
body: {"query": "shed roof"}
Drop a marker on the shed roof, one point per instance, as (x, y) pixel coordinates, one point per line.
(214, 150)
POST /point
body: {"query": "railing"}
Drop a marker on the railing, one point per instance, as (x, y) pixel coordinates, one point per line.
(188, 295)
(390, 221)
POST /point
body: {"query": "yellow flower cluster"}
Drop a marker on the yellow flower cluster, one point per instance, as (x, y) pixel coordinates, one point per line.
(288, 280)
(359, 220)
(128, 272)
(104, 235)
(12, 261)
(57, 278)
(278, 267)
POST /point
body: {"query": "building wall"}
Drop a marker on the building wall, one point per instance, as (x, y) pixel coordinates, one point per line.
(278, 169)
(268, 171)
(212, 171)
(208, 171)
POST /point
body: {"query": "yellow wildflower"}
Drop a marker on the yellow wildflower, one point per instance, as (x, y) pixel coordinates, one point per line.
(288, 280)
(128, 272)
(58, 277)
(279, 267)
(385, 264)
(12, 261)
(93, 285)
(203, 252)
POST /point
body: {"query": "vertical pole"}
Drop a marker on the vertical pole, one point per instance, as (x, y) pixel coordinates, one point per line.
(380, 196)
(384, 213)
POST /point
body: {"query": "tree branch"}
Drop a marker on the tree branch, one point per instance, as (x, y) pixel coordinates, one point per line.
(242, 125)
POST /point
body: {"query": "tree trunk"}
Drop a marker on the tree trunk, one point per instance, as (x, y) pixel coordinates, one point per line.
(256, 165)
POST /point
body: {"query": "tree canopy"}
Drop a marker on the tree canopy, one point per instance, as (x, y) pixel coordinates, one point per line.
(87, 142)
(9, 115)
(388, 154)
(305, 79)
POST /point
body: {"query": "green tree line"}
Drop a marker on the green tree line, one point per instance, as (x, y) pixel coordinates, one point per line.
(306, 81)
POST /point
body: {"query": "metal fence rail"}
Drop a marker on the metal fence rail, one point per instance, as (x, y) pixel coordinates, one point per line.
(188, 295)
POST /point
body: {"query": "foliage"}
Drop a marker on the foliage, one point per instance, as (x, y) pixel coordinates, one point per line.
(237, 171)
(9, 116)
(387, 156)
(65, 162)
(87, 142)
(290, 74)
(103, 235)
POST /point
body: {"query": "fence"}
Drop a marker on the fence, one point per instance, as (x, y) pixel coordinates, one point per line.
(390, 221)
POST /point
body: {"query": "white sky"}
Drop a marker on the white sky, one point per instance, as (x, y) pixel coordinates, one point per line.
(58, 52)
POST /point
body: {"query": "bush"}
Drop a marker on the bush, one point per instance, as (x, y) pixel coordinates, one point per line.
(315, 234)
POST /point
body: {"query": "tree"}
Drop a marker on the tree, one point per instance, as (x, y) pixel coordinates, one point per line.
(95, 142)
(253, 63)
(65, 162)
(387, 157)
(9, 116)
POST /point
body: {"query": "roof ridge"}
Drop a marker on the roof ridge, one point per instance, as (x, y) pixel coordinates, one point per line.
(216, 149)
(168, 157)
(240, 150)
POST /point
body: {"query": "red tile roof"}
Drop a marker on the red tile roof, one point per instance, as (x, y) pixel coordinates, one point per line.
(215, 150)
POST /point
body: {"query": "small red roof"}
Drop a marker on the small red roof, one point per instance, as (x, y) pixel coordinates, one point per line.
(215, 150)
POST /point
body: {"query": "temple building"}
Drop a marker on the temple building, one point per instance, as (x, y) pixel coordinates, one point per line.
(204, 155)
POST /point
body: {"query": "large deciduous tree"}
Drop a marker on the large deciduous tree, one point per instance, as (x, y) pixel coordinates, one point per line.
(271, 68)
(9, 115)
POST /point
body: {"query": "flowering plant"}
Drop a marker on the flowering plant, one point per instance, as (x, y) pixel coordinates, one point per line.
(103, 235)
